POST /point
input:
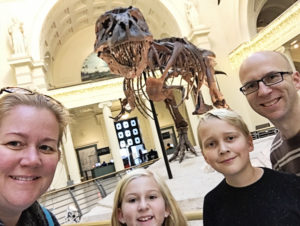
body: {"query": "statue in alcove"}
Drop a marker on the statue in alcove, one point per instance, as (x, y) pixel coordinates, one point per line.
(16, 33)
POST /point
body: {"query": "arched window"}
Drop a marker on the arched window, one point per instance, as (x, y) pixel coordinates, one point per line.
(94, 68)
(270, 11)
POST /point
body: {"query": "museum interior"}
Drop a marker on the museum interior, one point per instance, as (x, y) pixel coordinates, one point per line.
(48, 46)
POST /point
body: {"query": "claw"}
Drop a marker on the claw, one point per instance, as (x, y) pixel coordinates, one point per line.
(202, 109)
(175, 154)
(221, 104)
(117, 118)
(181, 154)
(201, 106)
(183, 145)
(193, 151)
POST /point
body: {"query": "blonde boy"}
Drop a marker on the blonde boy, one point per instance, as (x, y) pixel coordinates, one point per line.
(247, 195)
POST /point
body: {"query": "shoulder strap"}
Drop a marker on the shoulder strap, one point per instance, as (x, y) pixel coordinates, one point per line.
(48, 216)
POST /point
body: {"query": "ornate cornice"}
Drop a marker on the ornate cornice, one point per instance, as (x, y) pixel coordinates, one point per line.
(276, 34)
(90, 93)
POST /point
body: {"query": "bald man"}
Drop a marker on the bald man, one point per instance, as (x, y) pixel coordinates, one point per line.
(271, 88)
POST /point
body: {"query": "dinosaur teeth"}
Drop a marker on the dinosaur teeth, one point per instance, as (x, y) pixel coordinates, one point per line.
(128, 54)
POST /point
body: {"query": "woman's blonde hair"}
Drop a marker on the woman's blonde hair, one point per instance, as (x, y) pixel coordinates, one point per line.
(175, 218)
(226, 115)
(38, 100)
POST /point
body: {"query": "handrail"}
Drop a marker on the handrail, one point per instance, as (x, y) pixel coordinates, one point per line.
(96, 223)
(83, 196)
(190, 216)
(194, 215)
(100, 177)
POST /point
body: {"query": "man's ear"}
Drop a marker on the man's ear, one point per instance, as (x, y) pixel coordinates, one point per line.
(120, 216)
(250, 143)
(296, 79)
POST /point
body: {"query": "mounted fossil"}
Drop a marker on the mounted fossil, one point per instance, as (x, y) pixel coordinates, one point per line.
(124, 42)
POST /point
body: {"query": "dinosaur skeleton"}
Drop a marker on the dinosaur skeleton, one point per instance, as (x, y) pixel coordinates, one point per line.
(149, 66)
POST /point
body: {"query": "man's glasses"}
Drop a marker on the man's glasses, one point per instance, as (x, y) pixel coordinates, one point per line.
(269, 79)
(27, 92)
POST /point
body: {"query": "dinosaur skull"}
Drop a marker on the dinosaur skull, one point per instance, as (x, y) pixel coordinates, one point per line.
(123, 41)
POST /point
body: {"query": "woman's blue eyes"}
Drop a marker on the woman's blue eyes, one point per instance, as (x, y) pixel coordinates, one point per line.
(46, 148)
(17, 145)
(14, 145)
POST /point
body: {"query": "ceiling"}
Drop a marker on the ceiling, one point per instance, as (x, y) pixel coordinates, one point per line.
(67, 17)
(271, 10)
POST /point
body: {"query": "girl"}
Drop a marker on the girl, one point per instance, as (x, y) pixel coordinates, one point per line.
(143, 198)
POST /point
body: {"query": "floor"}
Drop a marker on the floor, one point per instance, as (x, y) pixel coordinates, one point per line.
(192, 179)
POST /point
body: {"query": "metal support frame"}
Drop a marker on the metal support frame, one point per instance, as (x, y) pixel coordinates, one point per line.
(100, 188)
(159, 135)
(75, 202)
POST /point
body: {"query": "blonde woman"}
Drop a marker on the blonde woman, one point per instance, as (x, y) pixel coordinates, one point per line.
(31, 130)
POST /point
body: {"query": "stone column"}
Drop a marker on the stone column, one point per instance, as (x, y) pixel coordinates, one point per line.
(112, 136)
(190, 107)
(71, 158)
(154, 131)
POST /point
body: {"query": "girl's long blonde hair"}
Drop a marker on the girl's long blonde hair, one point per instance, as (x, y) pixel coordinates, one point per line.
(176, 217)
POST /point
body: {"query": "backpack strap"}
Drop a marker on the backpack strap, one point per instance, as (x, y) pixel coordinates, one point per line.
(48, 216)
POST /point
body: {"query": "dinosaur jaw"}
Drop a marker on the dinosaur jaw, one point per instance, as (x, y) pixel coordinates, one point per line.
(128, 59)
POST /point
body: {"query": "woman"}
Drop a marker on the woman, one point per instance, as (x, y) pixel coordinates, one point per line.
(31, 130)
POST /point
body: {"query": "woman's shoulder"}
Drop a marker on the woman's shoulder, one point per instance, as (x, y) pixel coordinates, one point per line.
(37, 215)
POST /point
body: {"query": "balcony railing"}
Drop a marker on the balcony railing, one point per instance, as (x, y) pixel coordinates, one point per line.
(70, 203)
